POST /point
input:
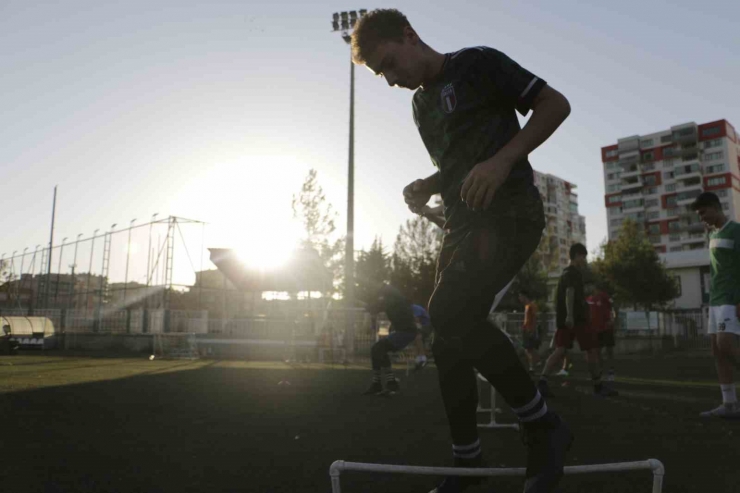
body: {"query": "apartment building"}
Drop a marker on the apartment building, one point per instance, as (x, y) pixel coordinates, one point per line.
(653, 179)
(564, 225)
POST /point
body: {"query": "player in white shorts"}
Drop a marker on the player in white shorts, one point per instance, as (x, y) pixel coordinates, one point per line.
(724, 299)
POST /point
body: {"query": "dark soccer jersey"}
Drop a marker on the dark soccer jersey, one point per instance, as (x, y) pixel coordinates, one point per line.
(397, 308)
(571, 278)
(466, 116)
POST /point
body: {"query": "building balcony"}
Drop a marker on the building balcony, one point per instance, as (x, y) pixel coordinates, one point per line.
(686, 171)
(686, 135)
(693, 239)
(630, 172)
(682, 185)
(634, 185)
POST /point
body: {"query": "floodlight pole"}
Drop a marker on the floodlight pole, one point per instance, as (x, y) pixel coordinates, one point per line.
(343, 22)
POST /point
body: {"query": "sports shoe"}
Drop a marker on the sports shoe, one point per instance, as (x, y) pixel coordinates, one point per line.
(562, 373)
(727, 411)
(420, 365)
(547, 440)
(392, 387)
(456, 484)
(374, 389)
(544, 389)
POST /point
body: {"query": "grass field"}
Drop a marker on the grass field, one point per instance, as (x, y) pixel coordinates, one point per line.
(83, 424)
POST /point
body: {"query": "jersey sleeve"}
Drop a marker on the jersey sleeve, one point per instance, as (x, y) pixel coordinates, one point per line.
(509, 80)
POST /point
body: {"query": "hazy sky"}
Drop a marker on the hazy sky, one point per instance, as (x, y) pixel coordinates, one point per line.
(216, 110)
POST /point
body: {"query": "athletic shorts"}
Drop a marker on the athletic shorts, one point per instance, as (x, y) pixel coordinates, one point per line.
(530, 340)
(606, 338)
(587, 339)
(723, 319)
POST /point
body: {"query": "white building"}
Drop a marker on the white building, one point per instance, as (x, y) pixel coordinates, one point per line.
(564, 225)
(654, 178)
(691, 270)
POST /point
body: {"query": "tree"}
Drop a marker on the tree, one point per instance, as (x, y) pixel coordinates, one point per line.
(631, 268)
(317, 217)
(414, 260)
(372, 268)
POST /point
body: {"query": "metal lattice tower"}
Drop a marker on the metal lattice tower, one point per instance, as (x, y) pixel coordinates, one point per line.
(169, 260)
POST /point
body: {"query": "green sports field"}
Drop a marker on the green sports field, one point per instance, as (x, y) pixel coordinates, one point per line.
(86, 424)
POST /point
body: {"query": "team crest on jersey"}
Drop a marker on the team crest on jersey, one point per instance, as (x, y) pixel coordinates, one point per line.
(449, 100)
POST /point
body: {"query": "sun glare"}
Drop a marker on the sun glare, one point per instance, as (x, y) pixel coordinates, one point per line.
(270, 249)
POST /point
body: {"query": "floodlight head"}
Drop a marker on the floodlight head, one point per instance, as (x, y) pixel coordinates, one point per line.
(344, 15)
(347, 38)
(345, 25)
(353, 15)
(335, 25)
(363, 12)
(335, 17)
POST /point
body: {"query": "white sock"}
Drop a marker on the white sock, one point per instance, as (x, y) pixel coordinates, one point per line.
(421, 358)
(728, 393)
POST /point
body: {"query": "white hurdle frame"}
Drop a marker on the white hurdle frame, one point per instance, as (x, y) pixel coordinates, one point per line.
(492, 424)
(340, 466)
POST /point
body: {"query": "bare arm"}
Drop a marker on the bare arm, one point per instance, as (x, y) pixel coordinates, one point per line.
(549, 109)
(570, 298)
(433, 184)
(433, 215)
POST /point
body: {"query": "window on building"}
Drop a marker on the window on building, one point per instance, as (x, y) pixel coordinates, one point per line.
(674, 237)
(708, 132)
(713, 182)
(651, 203)
(612, 188)
(721, 193)
(668, 175)
(675, 249)
(691, 194)
(666, 138)
(671, 201)
(653, 215)
(615, 222)
(650, 191)
(712, 143)
(709, 156)
(651, 180)
(654, 229)
(648, 167)
(715, 168)
(611, 165)
(612, 153)
(677, 280)
(670, 187)
(725, 206)
(615, 198)
(646, 143)
(674, 211)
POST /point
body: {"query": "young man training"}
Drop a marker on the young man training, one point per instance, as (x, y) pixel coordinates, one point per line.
(423, 331)
(465, 106)
(402, 332)
(572, 323)
(602, 323)
(530, 334)
(724, 299)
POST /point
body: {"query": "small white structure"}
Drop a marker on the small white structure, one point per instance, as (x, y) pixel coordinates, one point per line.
(29, 332)
(691, 270)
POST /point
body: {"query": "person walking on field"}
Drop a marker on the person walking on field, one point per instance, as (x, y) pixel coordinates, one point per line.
(724, 299)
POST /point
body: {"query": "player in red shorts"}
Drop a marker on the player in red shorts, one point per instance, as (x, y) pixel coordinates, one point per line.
(602, 322)
(572, 323)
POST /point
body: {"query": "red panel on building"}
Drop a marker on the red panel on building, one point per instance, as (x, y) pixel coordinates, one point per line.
(604, 150)
(664, 198)
(713, 130)
(658, 178)
(664, 227)
(660, 249)
(613, 204)
(717, 186)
